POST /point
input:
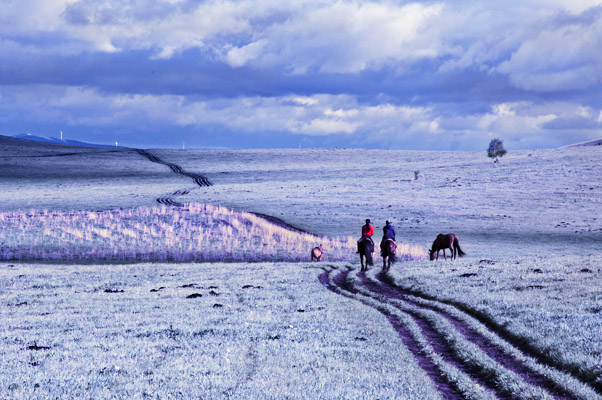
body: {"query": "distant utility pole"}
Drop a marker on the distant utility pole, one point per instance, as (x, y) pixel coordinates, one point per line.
(183, 145)
(61, 134)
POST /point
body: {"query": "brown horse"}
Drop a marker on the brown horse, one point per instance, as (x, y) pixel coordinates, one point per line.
(388, 248)
(442, 242)
(316, 253)
(366, 249)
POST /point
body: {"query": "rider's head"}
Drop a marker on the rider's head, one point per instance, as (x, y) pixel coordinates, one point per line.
(388, 222)
(367, 220)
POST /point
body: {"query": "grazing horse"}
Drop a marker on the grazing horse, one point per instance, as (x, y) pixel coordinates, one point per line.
(388, 248)
(442, 242)
(366, 248)
(316, 253)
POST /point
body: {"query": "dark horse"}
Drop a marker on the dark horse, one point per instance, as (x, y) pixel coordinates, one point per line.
(366, 248)
(449, 241)
(388, 248)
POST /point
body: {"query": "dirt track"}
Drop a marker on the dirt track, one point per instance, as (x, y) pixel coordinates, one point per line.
(202, 181)
(439, 334)
(198, 179)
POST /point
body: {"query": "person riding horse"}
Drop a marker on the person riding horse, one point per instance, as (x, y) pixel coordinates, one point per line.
(367, 232)
(388, 233)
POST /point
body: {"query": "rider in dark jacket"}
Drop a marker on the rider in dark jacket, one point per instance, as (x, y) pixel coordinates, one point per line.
(388, 233)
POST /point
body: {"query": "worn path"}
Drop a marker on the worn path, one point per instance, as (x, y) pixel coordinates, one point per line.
(464, 357)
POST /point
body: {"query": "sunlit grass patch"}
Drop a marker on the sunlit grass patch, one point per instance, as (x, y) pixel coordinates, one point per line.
(195, 232)
(192, 233)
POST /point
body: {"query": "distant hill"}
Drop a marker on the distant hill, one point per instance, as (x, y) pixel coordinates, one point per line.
(66, 142)
(595, 142)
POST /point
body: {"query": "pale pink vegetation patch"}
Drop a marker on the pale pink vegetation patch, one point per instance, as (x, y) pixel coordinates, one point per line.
(195, 232)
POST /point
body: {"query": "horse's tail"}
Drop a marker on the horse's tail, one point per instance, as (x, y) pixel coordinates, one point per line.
(457, 246)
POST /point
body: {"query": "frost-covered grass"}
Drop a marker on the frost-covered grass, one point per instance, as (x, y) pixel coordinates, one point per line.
(531, 202)
(552, 303)
(535, 210)
(261, 330)
(183, 234)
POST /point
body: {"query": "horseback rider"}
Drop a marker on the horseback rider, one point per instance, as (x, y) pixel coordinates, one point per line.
(388, 233)
(367, 232)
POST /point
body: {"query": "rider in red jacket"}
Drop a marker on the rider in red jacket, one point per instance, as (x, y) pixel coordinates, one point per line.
(367, 232)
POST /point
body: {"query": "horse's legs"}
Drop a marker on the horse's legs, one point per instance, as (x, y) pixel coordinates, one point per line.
(444, 256)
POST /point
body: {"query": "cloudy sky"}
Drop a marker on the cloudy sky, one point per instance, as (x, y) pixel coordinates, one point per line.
(270, 73)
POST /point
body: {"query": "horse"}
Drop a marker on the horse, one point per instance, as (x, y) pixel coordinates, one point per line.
(366, 249)
(388, 248)
(442, 242)
(316, 253)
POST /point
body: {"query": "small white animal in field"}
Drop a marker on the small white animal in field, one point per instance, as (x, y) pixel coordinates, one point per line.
(316, 253)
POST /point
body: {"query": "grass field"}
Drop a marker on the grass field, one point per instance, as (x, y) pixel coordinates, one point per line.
(261, 330)
(518, 317)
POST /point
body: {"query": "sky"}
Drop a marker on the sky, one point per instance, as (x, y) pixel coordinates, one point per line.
(423, 75)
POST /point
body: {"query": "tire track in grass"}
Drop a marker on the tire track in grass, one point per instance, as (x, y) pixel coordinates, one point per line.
(447, 389)
(198, 179)
(494, 351)
(440, 345)
(454, 338)
(518, 343)
(168, 200)
(204, 182)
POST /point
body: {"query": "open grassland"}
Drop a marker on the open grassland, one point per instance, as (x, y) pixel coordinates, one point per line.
(518, 317)
(532, 201)
(299, 330)
(239, 331)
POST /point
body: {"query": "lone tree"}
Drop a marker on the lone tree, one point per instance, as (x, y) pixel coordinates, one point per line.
(496, 149)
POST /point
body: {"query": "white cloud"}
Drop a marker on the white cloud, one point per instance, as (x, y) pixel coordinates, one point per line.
(340, 113)
(315, 115)
(564, 58)
(520, 124)
(541, 45)
(239, 56)
(347, 36)
(323, 126)
(507, 118)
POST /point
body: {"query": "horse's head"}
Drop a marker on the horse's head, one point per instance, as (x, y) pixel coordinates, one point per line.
(431, 255)
(321, 248)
